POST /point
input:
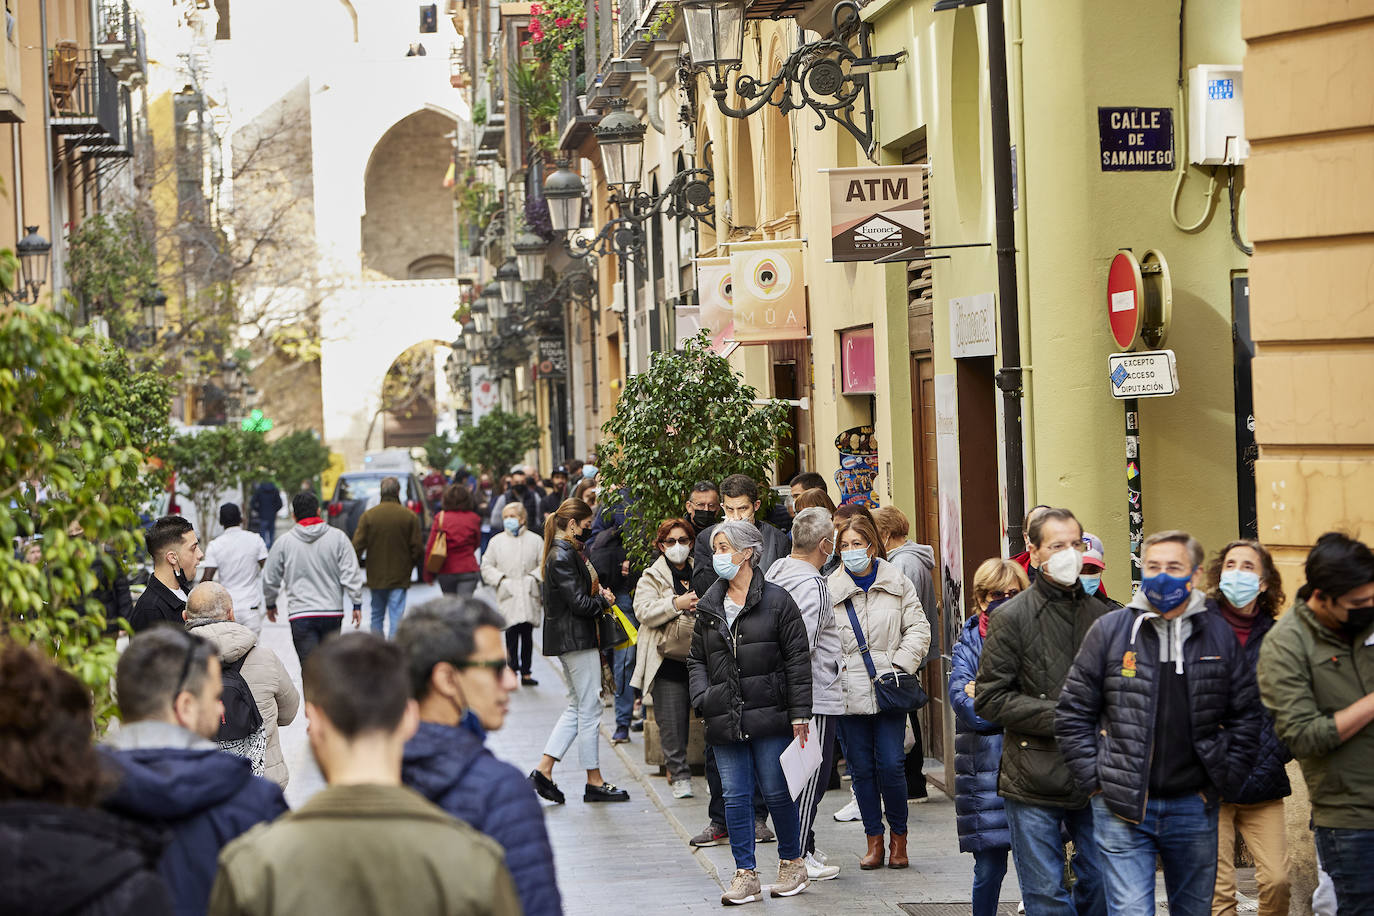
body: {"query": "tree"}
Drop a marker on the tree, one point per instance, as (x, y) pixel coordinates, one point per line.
(441, 451)
(497, 441)
(208, 462)
(688, 418)
(62, 463)
(296, 457)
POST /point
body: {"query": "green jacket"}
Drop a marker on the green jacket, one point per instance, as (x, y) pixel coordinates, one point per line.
(1307, 674)
(389, 544)
(363, 850)
(1031, 644)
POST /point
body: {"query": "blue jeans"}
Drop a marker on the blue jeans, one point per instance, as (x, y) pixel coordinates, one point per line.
(1037, 849)
(989, 868)
(268, 530)
(623, 670)
(1346, 856)
(874, 757)
(581, 721)
(387, 602)
(740, 765)
(1182, 832)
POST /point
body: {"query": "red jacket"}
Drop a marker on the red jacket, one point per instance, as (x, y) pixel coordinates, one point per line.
(464, 531)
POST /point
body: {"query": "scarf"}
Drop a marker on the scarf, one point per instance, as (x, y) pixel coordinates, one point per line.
(983, 624)
(1240, 624)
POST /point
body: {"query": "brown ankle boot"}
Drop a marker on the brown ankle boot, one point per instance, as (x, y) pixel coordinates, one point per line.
(896, 857)
(874, 857)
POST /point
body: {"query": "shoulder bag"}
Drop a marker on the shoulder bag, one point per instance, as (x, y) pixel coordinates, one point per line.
(677, 636)
(896, 690)
(438, 551)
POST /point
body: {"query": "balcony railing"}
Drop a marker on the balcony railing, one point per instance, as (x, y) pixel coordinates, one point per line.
(85, 97)
(120, 40)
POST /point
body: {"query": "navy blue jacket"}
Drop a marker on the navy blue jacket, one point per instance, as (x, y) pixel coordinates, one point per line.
(452, 768)
(1267, 779)
(205, 798)
(980, 813)
(1105, 717)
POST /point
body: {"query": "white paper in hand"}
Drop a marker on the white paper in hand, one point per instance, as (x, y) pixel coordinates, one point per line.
(798, 762)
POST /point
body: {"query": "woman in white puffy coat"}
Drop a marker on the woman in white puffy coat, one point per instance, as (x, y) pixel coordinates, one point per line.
(898, 635)
(512, 567)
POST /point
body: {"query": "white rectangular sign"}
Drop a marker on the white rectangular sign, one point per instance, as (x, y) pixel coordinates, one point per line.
(1149, 374)
(973, 326)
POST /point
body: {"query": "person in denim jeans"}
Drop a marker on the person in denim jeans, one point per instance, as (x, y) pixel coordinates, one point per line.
(1028, 651)
(1158, 717)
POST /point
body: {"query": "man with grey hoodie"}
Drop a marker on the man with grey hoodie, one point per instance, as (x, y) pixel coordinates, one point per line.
(314, 563)
(813, 540)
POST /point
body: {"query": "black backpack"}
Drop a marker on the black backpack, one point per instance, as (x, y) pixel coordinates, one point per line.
(241, 717)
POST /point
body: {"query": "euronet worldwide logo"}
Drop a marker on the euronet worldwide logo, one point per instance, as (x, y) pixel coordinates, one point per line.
(874, 231)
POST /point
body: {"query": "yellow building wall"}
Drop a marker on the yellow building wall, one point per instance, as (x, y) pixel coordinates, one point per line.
(1072, 219)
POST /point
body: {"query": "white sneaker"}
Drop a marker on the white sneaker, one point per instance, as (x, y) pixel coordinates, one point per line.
(849, 812)
(819, 871)
(1021, 907)
(682, 788)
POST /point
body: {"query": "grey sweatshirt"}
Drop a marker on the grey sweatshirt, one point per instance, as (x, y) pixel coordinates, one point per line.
(313, 564)
(917, 561)
(808, 589)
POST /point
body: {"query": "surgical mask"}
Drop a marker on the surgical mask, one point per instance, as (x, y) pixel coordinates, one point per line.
(1357, 621)
(1167, 592)
(724, 567)
(512, 526)
(677, 554)
(702, 519)
(1063, 567)
(588, 471)
(1091, 583)
(1240, 587)
(182, 582)
(856, 559)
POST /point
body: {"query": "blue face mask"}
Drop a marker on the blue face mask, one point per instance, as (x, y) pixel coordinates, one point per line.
(512, 526)
(1240, 587)
(724, 566)
(1091, 583)
(1167, 592)
(856, 559)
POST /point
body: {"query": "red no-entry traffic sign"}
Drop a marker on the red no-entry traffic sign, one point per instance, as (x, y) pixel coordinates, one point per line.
(1125, 292)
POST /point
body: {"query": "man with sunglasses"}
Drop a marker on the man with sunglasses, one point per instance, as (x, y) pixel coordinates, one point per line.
(171, 775)
(456, 659)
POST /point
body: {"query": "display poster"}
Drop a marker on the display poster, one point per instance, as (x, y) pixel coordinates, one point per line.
(769, 291)
(716, 312)
(875, 212)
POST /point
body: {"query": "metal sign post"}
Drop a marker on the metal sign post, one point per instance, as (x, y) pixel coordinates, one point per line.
(1135, 507)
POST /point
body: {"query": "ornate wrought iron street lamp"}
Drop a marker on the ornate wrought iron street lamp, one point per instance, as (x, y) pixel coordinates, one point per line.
(34, 252)
(529, 254)
(512, 287)
(563, 190)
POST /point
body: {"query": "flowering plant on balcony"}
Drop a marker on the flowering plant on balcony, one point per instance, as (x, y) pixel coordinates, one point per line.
(556, 34)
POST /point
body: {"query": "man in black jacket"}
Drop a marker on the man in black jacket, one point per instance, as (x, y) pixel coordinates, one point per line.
(1031, 643)
(739, 497)
(176, 552)
(1160, 713)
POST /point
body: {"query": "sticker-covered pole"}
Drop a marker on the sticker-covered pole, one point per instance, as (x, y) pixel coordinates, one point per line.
(1135, 503)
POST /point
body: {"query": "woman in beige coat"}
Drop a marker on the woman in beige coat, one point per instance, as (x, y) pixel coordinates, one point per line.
(893, 624)
(666, 607)
(511, 566)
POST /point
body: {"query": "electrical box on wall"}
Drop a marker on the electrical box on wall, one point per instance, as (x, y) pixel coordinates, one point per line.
(1216, 117)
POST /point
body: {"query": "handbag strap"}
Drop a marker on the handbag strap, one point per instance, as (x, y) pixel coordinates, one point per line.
(859, 636)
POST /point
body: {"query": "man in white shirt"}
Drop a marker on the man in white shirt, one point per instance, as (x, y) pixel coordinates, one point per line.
(236, 556)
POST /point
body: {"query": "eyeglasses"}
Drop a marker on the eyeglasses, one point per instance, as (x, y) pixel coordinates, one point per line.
(684, 542)
(1079, 545)
(495, 666)
(190, 659)
(1173, 569)
(1002, 596)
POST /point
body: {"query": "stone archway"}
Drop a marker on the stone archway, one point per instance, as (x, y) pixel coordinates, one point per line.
(409, 215)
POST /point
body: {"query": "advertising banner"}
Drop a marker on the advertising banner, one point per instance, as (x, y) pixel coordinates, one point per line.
(553, 358)
(714, 292)
(770, 294)
(486, 394)
(875, 212)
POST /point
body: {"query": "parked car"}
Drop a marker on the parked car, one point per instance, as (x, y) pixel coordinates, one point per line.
(357, 491)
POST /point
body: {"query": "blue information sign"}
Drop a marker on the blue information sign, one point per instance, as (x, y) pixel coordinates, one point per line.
(1136, 139)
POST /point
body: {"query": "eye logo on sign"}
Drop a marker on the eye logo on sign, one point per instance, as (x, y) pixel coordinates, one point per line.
(769, 277)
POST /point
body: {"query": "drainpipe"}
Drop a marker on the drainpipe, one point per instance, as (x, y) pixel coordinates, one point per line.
(1009, 377)
(55, 232)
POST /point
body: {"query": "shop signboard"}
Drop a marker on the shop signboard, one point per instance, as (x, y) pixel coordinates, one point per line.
(716, 313)
(875, 212)
(769, 291)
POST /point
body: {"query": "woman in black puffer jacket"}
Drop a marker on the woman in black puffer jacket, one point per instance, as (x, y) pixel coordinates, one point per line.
(1249, 594)
(750, 677)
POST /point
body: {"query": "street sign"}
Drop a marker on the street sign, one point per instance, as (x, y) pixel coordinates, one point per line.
(1124, 295)
(1148, 374)
(1136, 139)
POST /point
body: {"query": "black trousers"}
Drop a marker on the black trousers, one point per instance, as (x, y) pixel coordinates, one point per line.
(458, 583)
(915, 760)
(308, 632)
(717, 804)
(520, 647)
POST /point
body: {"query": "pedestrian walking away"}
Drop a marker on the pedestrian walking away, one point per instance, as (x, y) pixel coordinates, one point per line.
(1248, 592)
(389, 545)
(313, 564)
(1157, 719)
(750, 678)
(572, 603)
(365, 843)
(176, 553)
(235, 559)
(1030, 645)
(458, 675)
(171, 776)
(461, 527)
(210, 614)
(883, 629)
(1316, 676)
(511, 568)
(979, 812)
(266, 504)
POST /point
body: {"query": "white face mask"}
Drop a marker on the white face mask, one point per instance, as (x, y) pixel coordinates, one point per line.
(1063, 567)
(677, 554)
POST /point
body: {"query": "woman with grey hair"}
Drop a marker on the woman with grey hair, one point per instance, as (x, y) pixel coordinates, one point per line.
(750, 677)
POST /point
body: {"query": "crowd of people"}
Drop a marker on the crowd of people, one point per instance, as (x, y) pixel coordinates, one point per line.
(1095, 740)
